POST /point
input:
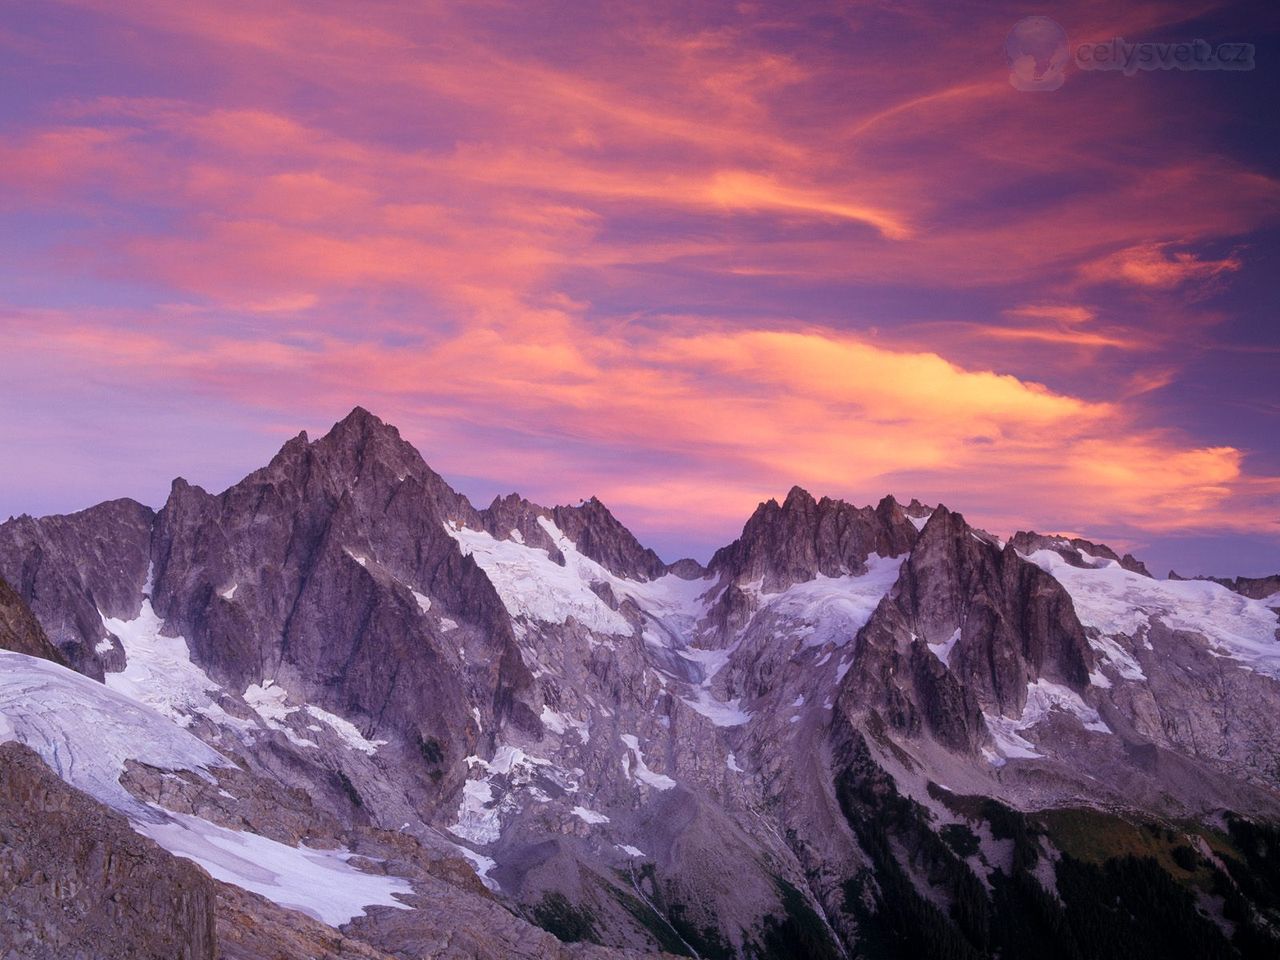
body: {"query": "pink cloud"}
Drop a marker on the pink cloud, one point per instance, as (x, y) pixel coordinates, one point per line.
(1159, 266)
(742, 411)
(493, 230)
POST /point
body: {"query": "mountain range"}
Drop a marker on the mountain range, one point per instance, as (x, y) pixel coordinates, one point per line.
(337, 711)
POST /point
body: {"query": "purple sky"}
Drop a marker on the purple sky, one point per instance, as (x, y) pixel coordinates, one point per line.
(677, 257)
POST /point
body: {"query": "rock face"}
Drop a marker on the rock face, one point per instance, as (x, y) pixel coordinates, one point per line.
(792, 543)
(1256, 588)
(527, 736)
(330, 572)
(20, 631)
(76, 883)
(70, 568)
(1001, 622)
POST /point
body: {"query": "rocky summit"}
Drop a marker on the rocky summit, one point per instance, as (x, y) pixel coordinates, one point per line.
(337, 711)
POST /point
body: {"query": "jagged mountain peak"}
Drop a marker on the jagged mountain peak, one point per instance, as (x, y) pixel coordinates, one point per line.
(941, 523)
(916, 509)
(603, 537)
(361, 434)
(801, 538)
(362, 459)
(965, 637)
(798, 498)
(589, 525)
(362, 419)
(944, 515)
(359, 427)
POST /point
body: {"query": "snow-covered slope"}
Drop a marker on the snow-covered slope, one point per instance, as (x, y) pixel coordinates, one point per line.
(159, 672)
(1120, 603)
(320, 883)
(86, 732)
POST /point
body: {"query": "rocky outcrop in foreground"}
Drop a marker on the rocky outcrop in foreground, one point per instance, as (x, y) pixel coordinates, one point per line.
(76, 883)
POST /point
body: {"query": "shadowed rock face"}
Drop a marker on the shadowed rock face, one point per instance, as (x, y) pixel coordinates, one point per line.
(117, 893)
(802, 538)
(68, 568)
(20, 631)
(1257, 588)
(1008, 623)
(317, 570)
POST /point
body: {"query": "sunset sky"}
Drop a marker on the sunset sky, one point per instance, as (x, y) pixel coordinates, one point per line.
(678, 256)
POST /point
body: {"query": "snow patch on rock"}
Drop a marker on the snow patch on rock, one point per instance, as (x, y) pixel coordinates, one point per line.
(424, 602)
(638, 769)
(722, 713)
(347, 730)
(319, 883)
(589, 816)
(1043, 698)
(160, 673)
(943, 650)
(270, 702)
(477, 820)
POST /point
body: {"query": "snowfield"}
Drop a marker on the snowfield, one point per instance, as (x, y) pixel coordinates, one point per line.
(532, 585)
(833, 609)
(319, 883)
(86, 731)
(159, 672)
(1118, 602)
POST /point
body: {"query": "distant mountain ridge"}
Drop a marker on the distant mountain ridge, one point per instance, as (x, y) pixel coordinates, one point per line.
(856, 731)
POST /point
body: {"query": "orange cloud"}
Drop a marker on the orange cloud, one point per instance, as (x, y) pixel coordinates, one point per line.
(690, 259)
(743, 412)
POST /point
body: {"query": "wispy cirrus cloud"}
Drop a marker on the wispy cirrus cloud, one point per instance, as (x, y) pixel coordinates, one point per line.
(1160, 266)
